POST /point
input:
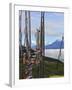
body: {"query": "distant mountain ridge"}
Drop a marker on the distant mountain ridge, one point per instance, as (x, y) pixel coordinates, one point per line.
(55, 45)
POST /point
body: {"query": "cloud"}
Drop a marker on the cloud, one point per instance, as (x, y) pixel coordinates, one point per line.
(33, 42)
(33, 31)
(52, 33)
(54, 28)
(53, 25)
(58, 14)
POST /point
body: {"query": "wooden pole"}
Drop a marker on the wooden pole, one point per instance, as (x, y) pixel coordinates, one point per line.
(27, 34)
(60, 52)
(42, 34)
(29, 28)
(20, 45)
(42, 44)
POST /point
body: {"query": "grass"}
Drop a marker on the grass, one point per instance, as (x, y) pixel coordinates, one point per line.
(50, 68)
(46, 69)
(56, 76)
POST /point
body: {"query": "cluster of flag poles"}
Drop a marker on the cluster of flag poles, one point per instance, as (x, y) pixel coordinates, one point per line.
(27, 43)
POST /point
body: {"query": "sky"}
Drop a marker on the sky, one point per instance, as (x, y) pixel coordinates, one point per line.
(54, 26)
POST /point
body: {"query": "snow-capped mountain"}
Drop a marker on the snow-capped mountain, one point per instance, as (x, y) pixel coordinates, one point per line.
(55, 45)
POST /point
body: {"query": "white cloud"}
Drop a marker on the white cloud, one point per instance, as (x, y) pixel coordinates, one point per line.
(53, 25)
(33, 42)
(58, 14)
(33, 31)
(52, 33)
(54, 28)
(51, 28)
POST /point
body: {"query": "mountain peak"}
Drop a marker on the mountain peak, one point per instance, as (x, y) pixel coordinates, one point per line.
(56, 45)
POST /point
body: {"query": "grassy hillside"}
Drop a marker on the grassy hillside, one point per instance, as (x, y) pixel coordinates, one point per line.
(47, 68)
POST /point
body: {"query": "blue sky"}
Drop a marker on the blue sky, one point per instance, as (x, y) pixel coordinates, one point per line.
(54, 26)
